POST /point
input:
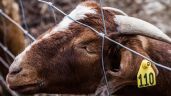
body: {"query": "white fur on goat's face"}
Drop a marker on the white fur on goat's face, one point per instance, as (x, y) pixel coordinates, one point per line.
(77, 14)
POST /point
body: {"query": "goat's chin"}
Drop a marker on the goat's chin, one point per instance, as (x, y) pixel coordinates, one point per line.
(27, 88)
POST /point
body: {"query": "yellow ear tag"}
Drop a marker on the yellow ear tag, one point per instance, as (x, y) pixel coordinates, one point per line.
(146, 75)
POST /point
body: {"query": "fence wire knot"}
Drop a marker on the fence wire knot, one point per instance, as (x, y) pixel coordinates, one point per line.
(101, 34)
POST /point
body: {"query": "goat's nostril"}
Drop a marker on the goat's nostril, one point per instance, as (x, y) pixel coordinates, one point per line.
(15, 71)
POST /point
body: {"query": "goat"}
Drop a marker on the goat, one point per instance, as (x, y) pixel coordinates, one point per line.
(67, 58)
(10, 35)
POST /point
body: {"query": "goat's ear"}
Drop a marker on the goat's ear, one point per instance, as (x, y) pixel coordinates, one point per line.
(128, 63)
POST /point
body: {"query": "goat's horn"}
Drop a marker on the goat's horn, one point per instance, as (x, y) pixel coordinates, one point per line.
(131, 25)
(117, 11)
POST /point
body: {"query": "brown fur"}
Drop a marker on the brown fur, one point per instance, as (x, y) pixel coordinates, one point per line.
(70, 62)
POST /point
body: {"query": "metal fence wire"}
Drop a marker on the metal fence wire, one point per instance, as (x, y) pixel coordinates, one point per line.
(103, 35)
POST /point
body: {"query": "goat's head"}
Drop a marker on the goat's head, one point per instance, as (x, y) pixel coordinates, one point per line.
(67, 59)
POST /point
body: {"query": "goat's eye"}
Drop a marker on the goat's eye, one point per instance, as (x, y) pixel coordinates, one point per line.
(89, 49)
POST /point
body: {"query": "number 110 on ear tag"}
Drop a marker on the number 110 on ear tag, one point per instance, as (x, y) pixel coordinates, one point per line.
(146, 75)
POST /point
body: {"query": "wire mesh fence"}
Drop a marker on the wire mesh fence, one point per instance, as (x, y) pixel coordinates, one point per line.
(54, 8)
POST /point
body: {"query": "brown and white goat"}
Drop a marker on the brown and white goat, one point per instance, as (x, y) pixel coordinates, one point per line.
(67, 59)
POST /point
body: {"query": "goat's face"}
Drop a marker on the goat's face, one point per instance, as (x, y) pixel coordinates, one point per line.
(67, 59)
(64, 60)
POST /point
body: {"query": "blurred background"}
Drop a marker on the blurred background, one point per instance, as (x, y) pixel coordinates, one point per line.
(36, 18)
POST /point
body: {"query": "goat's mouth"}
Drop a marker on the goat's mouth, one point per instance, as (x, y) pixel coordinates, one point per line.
(26, 89)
